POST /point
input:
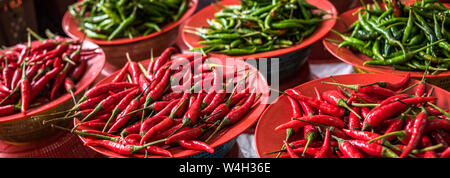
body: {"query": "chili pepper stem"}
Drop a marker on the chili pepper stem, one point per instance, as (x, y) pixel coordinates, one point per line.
(223, 123)
(439, 109)
(342, 103)
(41, 39)
(400, 133)
(365, 105)
(115, 139)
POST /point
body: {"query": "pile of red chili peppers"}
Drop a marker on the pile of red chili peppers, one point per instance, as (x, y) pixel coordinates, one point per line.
(378, 120)
(141, 111)
(36, 74)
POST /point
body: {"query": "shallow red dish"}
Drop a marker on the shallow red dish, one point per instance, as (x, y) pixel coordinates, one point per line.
(70, 27)
(357, 59)
(223, 136)
(268, 140)
(199, 20)
(138, 47)
(23, 128)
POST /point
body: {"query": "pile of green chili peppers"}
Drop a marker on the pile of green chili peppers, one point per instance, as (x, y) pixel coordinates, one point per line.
(113, 19)
(407, 37)
(257, 26)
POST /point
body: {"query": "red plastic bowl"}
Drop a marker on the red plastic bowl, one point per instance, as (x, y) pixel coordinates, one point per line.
(222, 137)
(357, 59)
(20, 128)
(268, 140)
(199, 20)
(138, 47)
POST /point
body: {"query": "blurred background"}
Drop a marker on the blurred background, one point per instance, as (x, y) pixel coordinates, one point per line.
(17, 15)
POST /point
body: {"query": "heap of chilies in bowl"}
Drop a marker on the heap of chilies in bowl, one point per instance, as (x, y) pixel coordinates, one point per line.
(36, 74)
(141, 111)
(378, 120)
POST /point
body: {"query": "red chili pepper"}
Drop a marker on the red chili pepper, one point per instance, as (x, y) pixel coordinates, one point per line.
(181, 106)
(58, 51)
(122, 74)
(435, 124)
(310, 151)
(193, 113)
(322, 106)
(319, 119)
(158, 76)
(393, 99)
(17, 76)
(289, 150)
(40, 84)
(168, 132)
(396, 125)
(238, 97)
(333, 96)
(158, 150)
(163, 58)
(171, 96)
(158, 90)
(236, 113)
(46, 45)
(25, 91)
(59, 80)
(365, 111)
(69, 85)
(8, 74)
(143, 83)
(353, 121)
(399, 85)
(369, 90)
(325, 150)
(426, 142)
(377, 115)
(8, 109)
(124, 117)
(416, 133)
(438, 138)
(123, 149)
(310, 133)
(166, 111)
(196, 145)
(110, 101)
(446, 153)
(348, 150)
(420, 89)
(221, 111)
(104, 88)
(216, 101)
(79, 70)
(163, 125)
(189, 134)
(149, 123)
(368, 98)
(302, 143)
(373, 149)
(361, 135)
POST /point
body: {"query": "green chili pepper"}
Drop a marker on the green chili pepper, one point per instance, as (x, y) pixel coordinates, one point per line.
(399, 59)
(123, 25)
(409, 25)
(376, 50)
